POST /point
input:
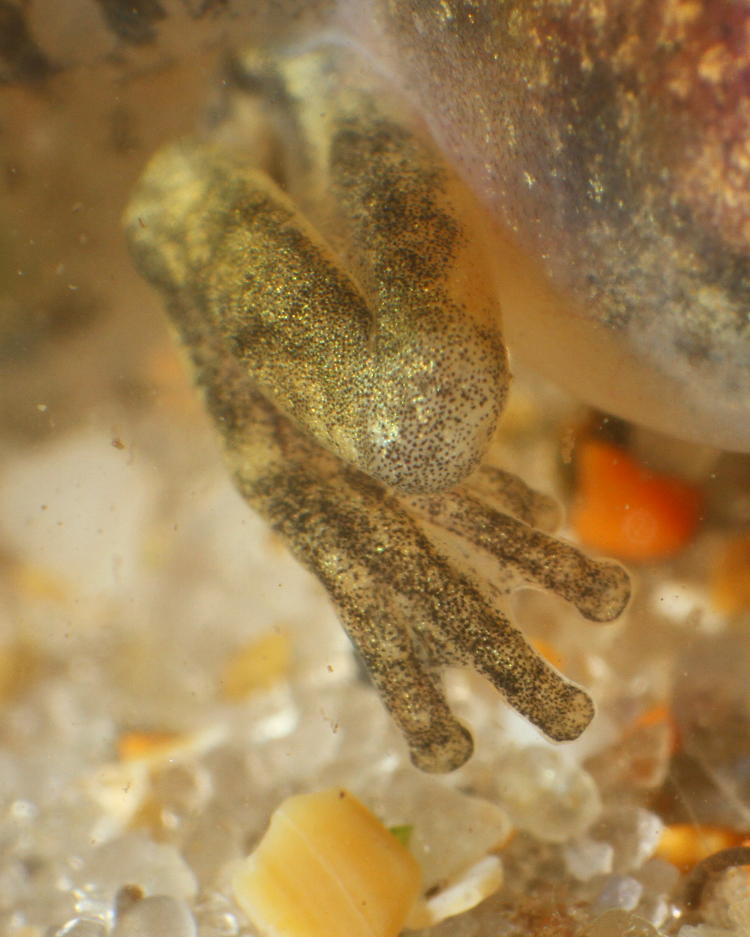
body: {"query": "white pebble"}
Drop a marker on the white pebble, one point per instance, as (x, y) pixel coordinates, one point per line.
(585, 858)
(620, 892)
(461, 894)
(634, 834)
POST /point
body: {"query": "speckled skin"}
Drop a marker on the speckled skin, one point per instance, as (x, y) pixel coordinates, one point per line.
(355, 371)
(610, 140)
(395, 365)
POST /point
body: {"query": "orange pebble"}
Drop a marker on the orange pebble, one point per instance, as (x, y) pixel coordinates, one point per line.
(730, 581)
(687, 844)
(658, 715)
(136, 744)
(626, 510)
(548, 652)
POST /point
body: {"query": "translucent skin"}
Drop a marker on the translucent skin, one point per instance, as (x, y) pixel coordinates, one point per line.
(607, 139)
(346, 342)
(610, 141)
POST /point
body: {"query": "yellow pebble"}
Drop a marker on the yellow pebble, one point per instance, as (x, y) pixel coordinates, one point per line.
(256, 666)
(327, 867)
(36, 582)
(157, 748)
(19, 667)
(136, 744)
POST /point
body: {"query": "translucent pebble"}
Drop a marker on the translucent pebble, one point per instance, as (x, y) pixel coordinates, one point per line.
(712, 708)
(185, 789)
(210, 845)
(10, 774)
(585, 858)
(216, 916)
(634, 834)
(659, 880)
(83, 477)
(82, 927)
(465, 892)
(118, 790)
(159, 916)
(546, 795)
(13, 881)
(620, 891)
(450, 830)
(739, 912)
(655, 909)
(467, 925)
(620, 924)
(659, 876)
(706, 930)
(135, 860)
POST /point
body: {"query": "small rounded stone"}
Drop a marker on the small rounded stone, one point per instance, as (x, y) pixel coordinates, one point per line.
(158, 916)
(82, 927)
(548, 796)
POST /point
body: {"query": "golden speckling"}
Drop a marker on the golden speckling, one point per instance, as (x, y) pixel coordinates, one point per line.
(716, 64)
(354, 370)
